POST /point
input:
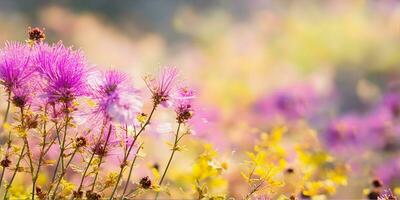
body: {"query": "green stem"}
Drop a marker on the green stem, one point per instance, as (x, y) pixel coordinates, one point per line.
(170, 158)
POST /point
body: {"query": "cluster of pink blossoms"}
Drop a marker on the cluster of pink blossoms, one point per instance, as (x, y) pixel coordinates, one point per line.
(47, 83)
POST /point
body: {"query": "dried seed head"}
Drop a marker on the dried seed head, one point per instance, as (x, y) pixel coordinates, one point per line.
(90, 195)
(99, 149)
(373, 195)
(145, 182)
(377, 183)
(40, 193)
(78, 194)
(36, 34)
(290, 170)
(5, 162)
(80, 142)
(19, 101)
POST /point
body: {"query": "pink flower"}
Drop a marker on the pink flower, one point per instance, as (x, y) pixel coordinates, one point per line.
(183, 101)
(15, 65)
(161, 86)
(116, 99)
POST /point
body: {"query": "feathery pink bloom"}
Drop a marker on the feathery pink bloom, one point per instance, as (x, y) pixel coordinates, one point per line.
(64, 71)
(161, 86)
(116, 99)
(15, 65)
(183, 101)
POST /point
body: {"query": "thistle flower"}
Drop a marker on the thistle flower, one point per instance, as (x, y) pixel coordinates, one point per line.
(15, 65)
(116, 99)
(183, 104)
(64, 71)
(161, 86)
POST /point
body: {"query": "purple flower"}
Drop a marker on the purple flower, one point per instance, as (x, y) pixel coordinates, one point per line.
(388, 171)
(391, 102)
(15, 65)
(64, 71)
(183, 101)
(116, 99)
(161, 86)
(290, 103)
(344, 133)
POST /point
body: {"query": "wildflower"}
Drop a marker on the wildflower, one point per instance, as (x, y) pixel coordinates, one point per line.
(161, 86)
(15, 65)
(391, 103)
(344, 131)
(145, 182)
(292, 103)
(183, 104)
(36, 35)
(64, 71)
(116, 99)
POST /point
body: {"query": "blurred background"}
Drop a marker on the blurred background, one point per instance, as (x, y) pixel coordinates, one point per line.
(253, 63)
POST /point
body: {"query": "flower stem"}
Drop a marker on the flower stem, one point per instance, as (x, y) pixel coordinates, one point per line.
(101, 158)
(130, 171)
(63, 172)
(42, 152)
(15, 171)
(174, 149)
(8, 108)
(62, 149)
(7, 153)
(88, 165)
(130, 149)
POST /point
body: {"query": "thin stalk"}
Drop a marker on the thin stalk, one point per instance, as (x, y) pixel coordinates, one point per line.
(7, 153)
(15, 172)
(130, 149)
(172, 155)
(9, 133)
(2, 175)
(27, 148)
(63, 173)
(89, 163)
(42, 153)
(62, 149)
(101, 158)
(8, 108)
(255, 189)
(130, 171)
